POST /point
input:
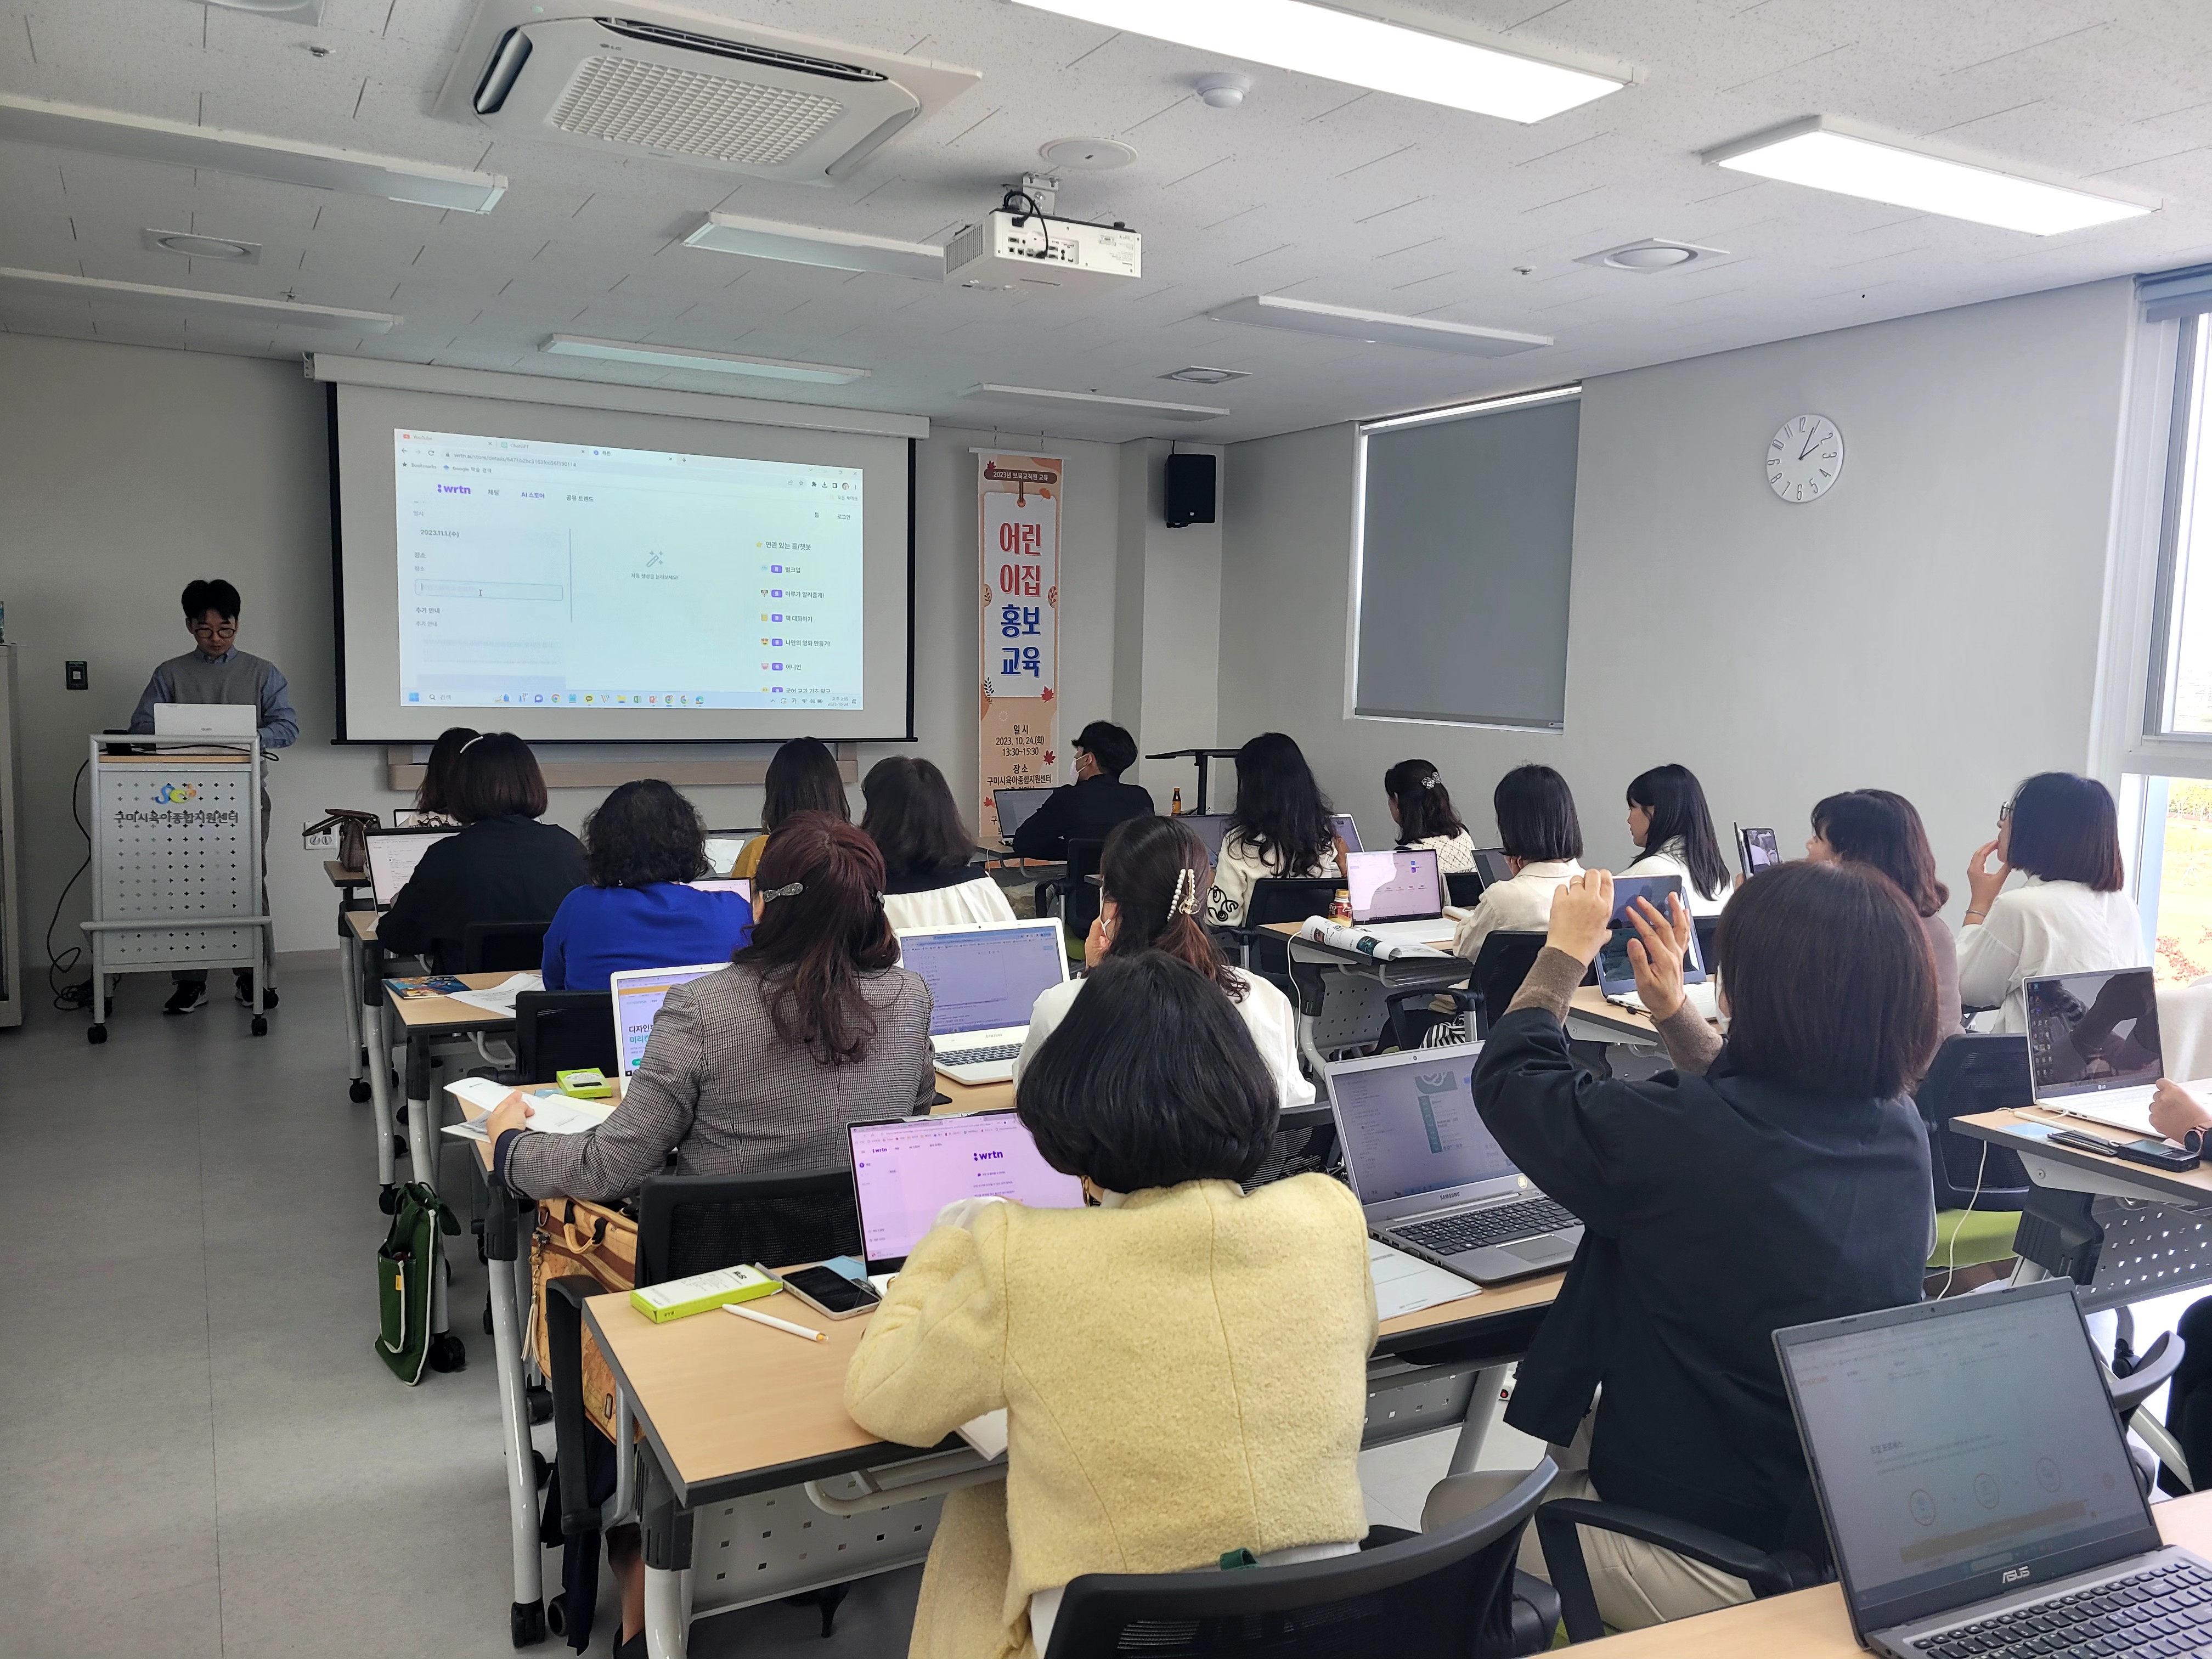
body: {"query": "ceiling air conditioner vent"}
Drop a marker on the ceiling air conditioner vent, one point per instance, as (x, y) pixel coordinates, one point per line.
(659, 83)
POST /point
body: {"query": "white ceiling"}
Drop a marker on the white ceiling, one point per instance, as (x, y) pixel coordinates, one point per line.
(1311, 189)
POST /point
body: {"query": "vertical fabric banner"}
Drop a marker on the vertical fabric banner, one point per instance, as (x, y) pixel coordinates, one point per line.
(1018, 515)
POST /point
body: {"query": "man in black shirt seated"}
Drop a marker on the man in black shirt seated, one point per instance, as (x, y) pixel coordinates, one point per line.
(1089, 808)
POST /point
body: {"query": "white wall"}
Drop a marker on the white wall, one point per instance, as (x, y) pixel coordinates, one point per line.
(1167, 683)
(126, 471)
(1930, 626)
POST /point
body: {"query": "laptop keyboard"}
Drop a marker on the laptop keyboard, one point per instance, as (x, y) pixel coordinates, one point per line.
(2168, 1610)
(978, 1056)
(1450, 1234)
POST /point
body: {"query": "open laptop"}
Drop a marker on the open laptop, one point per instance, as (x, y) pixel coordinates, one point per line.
(1347, 831)
(1209, 828)
(2092, 1045)
(1616, 974)
(638, 994)
(392, 856)
(1017, 807)
(1976, 1487)
(984, 978)
(1492, 865)
(906, 1169)
(206, 720)
(1430, 1178)
(740, 885)
(1398, 895)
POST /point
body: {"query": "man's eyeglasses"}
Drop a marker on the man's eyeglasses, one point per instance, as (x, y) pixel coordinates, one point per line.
(226, 631)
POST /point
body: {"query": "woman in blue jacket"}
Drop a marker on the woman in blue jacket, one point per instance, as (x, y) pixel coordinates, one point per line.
(642, 846)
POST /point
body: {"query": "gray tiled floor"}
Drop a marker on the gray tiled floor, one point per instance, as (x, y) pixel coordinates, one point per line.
(201, 1455)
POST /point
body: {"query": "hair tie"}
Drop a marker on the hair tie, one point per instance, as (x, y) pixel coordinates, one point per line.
(1430, 782)
(471, 742)
(1185, 902)
(789, 889)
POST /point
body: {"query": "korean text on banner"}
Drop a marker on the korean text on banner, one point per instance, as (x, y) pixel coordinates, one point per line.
(1018, 515)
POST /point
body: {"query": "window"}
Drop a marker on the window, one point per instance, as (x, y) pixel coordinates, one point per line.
(2181, 683)
(1461, 562)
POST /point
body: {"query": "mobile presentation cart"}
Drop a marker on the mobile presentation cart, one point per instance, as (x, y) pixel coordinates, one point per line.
(177, 876)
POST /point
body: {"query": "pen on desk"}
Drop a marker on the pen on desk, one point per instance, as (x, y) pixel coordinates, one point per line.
(772, 1322)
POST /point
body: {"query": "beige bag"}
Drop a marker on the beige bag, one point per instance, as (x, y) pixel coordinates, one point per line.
(353, 827)
(575, 1236)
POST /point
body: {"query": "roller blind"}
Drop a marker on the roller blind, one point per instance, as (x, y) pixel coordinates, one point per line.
(1465, 552)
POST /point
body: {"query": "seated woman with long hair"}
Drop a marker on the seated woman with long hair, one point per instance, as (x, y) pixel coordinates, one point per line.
(1279, 827)
(1422, 809)
(1883, 829)
(1154, 877)
(1673, 829)
(928, 879)
(802, 777)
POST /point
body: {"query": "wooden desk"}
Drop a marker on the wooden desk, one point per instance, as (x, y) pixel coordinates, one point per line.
(362, 924)
(1811, 1623)
(2026, 1132)
(342, 877)
(1619, 1024)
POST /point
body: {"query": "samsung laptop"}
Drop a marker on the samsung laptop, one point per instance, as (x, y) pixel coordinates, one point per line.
(1398, 895)
(1976, 1487)
(1211, 829)
(638, 994)
(1347, 831)
(1431, 1179)
(392, 856)
(206, 720)
(2092, 1045)
(984, 978)
(906, 1169)
(1017, 807)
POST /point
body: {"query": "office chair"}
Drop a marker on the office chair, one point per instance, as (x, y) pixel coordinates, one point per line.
(1277, 898)
(1463, 888)
(1709, 941)
(494, 947)
(1974, 1072)
(557, 1031)
(1500, 965)
(1077, 894)
(686, 1225)
(1452, 1591)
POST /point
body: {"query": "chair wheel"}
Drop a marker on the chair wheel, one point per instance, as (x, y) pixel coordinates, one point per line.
(539, 1398)
(261, 1025)
(448, 1353)
(540, 1470)
(96, 1034)
(358, 1092)
(526, 1623)
(268, 999)
(399, 1148)
(556, 1614)
(387, 1199)
(399, 1114)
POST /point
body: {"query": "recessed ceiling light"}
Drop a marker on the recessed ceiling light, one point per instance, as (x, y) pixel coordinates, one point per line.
(200, 247)
(1198, 374)
(712, 362)
(1360, 51)
(1826, 153)
(1376, 327)
(289, 11)
(1087, 154)
(146, 295)
(809, 245)
(143, 138)
(1092, 400)
(1653, 254)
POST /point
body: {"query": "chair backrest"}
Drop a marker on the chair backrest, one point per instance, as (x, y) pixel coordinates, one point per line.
(1283, 898)
(1500, 965)
(1974, 1072)
(690, 1224)
(1463, 888)
(1709, 941)
(1079, 907)
(1448, 1591)
(563, 1031)
(493, 947)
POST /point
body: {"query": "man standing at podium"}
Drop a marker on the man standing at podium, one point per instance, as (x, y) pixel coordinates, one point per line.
(217, 671)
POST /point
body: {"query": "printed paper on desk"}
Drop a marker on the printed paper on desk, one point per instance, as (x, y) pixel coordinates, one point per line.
(1321, 930)
(1405, 1284)
(500, 999)
(986, 1435)
(551, 1112)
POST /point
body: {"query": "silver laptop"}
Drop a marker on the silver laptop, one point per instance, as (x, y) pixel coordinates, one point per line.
(1347, 831)
(1976, 1487)
(206, 720)
(1398, 895)
(906, 1169)
(392, 856)
(741, 886)
(1433, 1181)
(1209, 828)
(2092, 1045)
(984, 978)
(638, 994)
(1017, 807)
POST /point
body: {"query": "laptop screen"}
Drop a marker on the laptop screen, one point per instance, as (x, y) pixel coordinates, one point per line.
(1490, 865)
(739, 885)
(392, 856)
(1016, 806)
(1399, 886)
(1348, 830)
(905, 1171)
(985, 979)
(1961, 1448)
(2087, 1033)
(1616, 974)
(638, 994)
(1209, 828)
(1409, 1125)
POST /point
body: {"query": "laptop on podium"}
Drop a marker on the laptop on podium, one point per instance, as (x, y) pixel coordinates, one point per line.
(1977, 1490)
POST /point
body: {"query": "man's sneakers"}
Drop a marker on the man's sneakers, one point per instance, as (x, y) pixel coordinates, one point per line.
(189, 998)
(245, 981)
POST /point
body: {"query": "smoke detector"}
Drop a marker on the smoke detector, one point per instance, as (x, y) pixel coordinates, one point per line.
(1224, 89)
(1652, 255)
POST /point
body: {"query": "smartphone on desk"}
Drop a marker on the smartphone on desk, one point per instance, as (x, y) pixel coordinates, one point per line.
(2151, 1152)
(829, 1294)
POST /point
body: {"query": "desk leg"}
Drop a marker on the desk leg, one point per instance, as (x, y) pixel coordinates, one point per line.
(350, 977)
(1481, 1407)
(521, 1466)
(667, 1559)
(380, 1086)
(421, 1130)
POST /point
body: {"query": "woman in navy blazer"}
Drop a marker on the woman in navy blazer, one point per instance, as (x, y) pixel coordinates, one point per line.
(642, 846)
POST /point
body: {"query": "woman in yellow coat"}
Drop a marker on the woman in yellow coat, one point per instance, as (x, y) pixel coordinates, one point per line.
(1183, 1365)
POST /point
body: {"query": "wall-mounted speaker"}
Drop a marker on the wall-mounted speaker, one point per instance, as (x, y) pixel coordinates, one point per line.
(1190, 490)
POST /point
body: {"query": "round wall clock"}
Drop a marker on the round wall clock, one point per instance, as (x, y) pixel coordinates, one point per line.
(1805, 459)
